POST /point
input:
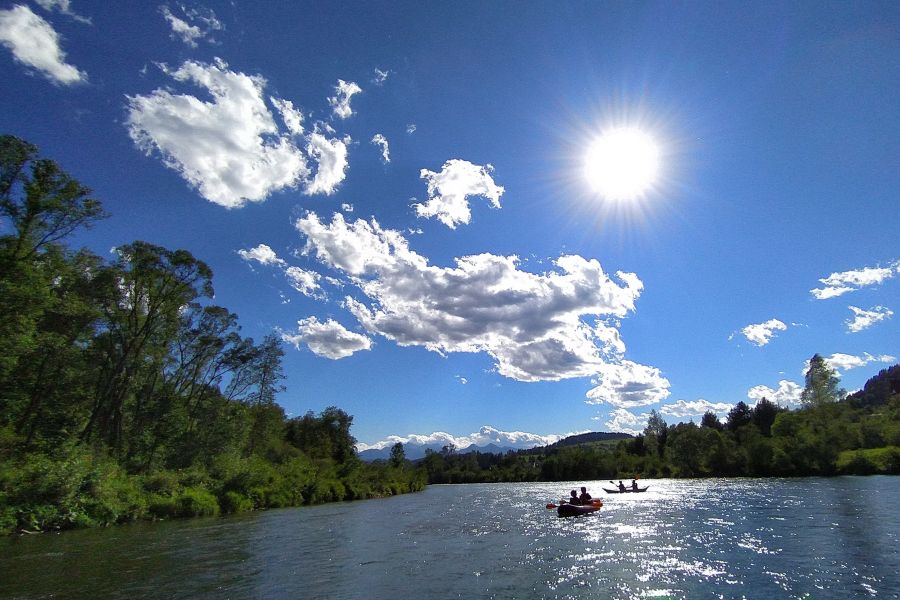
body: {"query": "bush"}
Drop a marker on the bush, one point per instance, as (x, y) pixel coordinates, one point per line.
(197, 502)
(235, 502)
(870, 461)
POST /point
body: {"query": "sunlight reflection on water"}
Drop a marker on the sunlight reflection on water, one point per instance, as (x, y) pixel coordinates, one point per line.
(804, 538)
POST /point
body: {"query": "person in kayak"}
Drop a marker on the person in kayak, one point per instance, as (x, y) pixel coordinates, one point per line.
(574, 499)
(584, 498)
(621, 486)
(634, 486)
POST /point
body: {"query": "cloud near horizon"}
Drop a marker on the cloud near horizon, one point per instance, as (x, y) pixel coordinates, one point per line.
(536, 326)
(519, 440)
(449, 191)
(692, 408)
(35, 44)
(787, 394)
(844, 362)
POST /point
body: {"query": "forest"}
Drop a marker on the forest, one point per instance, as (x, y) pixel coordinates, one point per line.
(831, 433)
(126, 393)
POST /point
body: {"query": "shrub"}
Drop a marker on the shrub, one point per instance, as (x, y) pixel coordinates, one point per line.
(197, 502)
(235, 502)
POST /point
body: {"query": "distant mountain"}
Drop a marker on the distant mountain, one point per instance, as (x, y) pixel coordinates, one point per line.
(417, 451)
(593, 436)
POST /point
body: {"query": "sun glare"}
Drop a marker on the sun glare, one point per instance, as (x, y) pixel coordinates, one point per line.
(622, 164)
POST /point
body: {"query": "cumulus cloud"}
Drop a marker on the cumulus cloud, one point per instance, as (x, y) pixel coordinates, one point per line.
(197, 24)
(305, 282)
(64, 7)
(536, 326)
(229, 148)
(484, 436)
(685, 408)
(340, 102)
(292, 117)
(449, 191)
(262, 254)
(35, 44)
(381, 141)
(863, 319)
(347, 207)
(841, 283)
(627, 384)
(331, 155)
(329, 339)
(624, 421)
(762, 333)
(787, 394)
(844, 362)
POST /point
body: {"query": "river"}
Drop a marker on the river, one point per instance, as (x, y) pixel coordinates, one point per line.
(724, 538)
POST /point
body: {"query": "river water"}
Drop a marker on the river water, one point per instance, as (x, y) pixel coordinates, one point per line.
(725, 538)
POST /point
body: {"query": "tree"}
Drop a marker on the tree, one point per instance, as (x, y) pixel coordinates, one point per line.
(763, 415)
(711, 421)
(738, 416)
(821, 384)
(656, 432)
(398, 455)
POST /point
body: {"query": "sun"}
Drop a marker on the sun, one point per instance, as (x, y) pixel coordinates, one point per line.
(622, 164)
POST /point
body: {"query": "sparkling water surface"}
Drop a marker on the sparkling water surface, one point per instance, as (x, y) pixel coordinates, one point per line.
(721, 538)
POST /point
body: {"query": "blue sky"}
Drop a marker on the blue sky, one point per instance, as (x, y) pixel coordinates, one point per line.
(399, 190)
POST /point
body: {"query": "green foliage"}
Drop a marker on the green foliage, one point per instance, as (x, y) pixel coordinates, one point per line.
(125, 394)
(885, 461)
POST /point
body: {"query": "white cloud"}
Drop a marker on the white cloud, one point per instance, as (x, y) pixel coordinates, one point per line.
(411, 128)
(196, 25)
(841, 283)
(380, 76)
(762, 333)
(305, 282)
(844, 362)
(628, 384)
(229, 148)
(787, 394)
(484, 436)
(329, 339)
(34, 43)
(331, 154)
(340, 102)
(262, 254)
(685, 408)
(534, 325)
(64, 7)
(292, 117)
(461, 379)
(449, 190)
(624, 421)
(863, 319)
(381, 141)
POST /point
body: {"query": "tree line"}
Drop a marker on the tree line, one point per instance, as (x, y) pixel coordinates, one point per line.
(126, 393)
(831, 433)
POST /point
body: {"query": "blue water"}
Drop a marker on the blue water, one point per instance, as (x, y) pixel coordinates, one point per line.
(727, 538)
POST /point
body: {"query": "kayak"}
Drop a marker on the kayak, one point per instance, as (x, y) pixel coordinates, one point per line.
(627, 490)
(574, 510)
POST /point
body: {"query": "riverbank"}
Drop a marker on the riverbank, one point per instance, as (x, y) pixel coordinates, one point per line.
(75, 488)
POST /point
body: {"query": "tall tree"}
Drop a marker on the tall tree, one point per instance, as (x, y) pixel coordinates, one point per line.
(821, 384)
